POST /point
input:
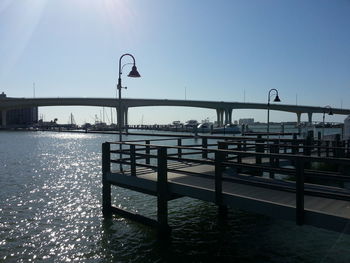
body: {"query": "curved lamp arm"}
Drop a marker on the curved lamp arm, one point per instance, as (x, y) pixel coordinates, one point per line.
(133, 73)
(120, 62)
(277, 99)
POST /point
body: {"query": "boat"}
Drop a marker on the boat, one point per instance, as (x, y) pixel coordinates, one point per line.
(228, 128)
(176, 124)
(191, 123)
(205, 127)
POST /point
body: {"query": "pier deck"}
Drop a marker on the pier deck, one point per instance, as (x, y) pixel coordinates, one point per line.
(328, 213)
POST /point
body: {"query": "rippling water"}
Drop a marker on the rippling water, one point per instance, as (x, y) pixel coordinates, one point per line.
(50, 211)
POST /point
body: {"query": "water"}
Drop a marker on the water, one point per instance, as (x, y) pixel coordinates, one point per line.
(50, 211)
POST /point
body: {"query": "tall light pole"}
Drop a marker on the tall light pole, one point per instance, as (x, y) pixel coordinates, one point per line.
(327, 109)
(133, 74)
(277, 99)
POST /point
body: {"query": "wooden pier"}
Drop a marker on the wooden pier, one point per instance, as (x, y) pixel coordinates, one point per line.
(282, 178)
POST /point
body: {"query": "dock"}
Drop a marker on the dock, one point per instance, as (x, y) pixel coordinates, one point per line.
(306, 181)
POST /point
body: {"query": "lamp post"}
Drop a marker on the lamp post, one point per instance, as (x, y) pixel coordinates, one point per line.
(133, 74)
(277, 99)
(327, 109)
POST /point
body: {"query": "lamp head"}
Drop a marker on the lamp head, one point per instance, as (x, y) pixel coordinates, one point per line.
(134, 73)
(277, 99)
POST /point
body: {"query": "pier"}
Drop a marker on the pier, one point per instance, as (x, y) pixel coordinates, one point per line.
(303, 180)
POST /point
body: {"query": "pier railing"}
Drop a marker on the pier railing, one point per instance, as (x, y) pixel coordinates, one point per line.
(303, 167)
(202, 146)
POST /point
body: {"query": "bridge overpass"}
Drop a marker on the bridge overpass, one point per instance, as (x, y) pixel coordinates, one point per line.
(223, 109)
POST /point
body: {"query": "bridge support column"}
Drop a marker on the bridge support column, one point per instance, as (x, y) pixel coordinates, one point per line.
(309, 115)
(226, 117)
(220, 116)
(120, 117)
(298, 118)
(3, 118)
(222, 112)
(230, 116)
(126, 113)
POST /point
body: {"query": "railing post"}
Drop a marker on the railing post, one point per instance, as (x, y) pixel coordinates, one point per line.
(342, 153)
(307, 146)
(319, 144)
(179, 150)
(219, 158)
(106, 186)
(259, 148)
(277, 150)
(333, 145)
(338, 153)
(132, 160)
(307, 149)
(239, 155)
(299, 185)
(272, 159)
(148, 151)
(295, 144)
(204, 146)
(239, 148)
(327, 148)
(162, 192)
(223, 146)
(243, 129)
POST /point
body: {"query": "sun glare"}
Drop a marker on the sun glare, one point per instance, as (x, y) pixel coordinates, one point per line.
(116, 11)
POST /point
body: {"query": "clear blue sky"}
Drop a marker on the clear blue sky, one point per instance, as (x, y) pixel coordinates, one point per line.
(215, 50)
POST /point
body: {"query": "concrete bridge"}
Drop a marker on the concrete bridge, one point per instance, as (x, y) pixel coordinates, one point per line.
(223, 109)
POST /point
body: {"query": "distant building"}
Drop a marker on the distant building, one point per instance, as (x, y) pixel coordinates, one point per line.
(246, 121)
(20, 117)
(25, 116)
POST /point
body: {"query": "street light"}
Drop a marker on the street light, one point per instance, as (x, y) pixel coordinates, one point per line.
(327, 109)
(277, 99)
(133, 74)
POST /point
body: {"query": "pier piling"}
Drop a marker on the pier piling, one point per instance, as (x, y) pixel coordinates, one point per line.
(299, 174)
(219, 158)
(204, 146)
(106, 186)
(162, 192)
(148, 151)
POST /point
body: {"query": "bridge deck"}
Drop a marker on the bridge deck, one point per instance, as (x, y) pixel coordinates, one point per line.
(325, 212)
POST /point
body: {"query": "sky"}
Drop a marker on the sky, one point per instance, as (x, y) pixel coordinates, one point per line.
(223, 50)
